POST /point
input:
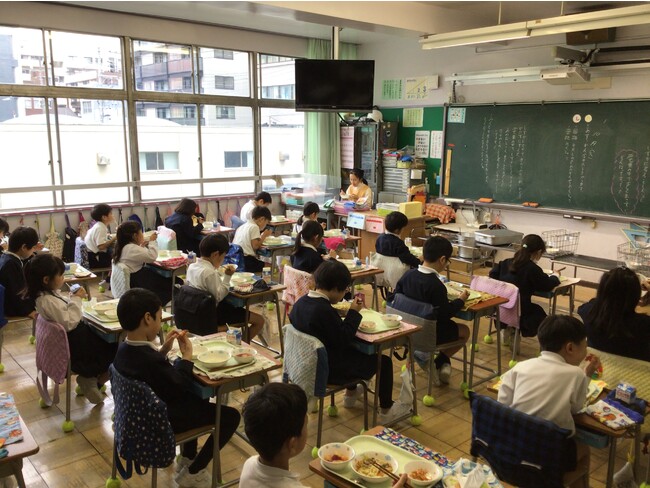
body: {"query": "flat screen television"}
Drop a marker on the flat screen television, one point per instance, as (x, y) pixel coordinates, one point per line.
(334, 85)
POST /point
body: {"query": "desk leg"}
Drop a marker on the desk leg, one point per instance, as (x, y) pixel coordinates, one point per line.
(412, 365)
(474, 339)
(497, 322)
(87, 288)
(611, 462)
(277, 313)
(572, 296)
(273, 264)
(553, 304)
(377, 379)
(637, 452)
(216, 457)
(17, 468)
(375, 298)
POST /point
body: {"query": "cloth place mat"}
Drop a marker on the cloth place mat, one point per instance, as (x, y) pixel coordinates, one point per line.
(261, 363)
(10, 430)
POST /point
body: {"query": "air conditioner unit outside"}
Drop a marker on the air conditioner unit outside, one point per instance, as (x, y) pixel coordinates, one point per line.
(565, 75)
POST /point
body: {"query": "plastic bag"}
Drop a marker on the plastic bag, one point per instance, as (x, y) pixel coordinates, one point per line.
(406, 391)
(166, 239)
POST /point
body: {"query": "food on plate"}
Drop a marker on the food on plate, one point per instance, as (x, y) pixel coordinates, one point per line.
(421, 475)
(336, 457)
(368, 325)
(366, 467)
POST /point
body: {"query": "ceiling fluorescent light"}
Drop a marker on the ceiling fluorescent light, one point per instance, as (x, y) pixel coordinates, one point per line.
(494, 33)
(602, 19)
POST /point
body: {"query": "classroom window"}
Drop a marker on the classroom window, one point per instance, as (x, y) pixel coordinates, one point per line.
(187, 83)
(159, 161)
(224, 75)
(225, 112)
(24, 48)
(279, 92)
(190, 112)
(276, 77)
(282, 141)
(224, 82)
(238, 159)
(161, 66)
(223, 54)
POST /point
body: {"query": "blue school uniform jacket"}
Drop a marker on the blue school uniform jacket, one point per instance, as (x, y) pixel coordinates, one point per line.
(12, 278)
(188, 236)
(306, 259)
(392, 246)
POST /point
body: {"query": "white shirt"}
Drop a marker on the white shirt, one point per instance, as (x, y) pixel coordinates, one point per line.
(57, 308)
(245, 234)
(547, 387)
(246, 210)
(204, 276)
(257, 475)
(134, 257)
(98, 234)
(426, 270)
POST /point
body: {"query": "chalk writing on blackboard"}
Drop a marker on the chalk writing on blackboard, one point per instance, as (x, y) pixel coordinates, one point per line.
(625, 181)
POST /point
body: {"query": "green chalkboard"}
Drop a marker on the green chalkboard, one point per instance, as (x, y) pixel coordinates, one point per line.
(589, 156)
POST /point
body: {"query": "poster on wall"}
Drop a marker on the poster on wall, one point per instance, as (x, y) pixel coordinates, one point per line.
(347, 147)
(419, 87)
(421, 143)
(436, 144)
(413, 117)
(391, 90)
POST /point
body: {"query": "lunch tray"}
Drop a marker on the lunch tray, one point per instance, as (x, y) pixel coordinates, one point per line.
(369, 315)
(217, 344)
(363, 443)
(85, 273)
(455, 291)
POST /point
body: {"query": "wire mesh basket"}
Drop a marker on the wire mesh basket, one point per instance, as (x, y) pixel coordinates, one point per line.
(635, 255)
(561, 242)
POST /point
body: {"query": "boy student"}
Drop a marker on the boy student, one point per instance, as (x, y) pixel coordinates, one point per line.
(97, 240)
(275, 420)
(140, 312)
(313, 314)
(553, 386)
(249, 238)
(262, 199)
(424, 284)
(23, 242)
(391, 244)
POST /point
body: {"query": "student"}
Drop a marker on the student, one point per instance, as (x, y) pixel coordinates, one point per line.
(552, 386)
(424, 284)
(359, 192)
(4, 239)
(90, 355)
(22, 244)
(523, 271)
(313, 314)
(612, 323)
(306, 256)
(133, 252)
(309, 212)
(262, 199)
(275, 420)
(138, 358)
(188, 235)
(249, 238)
(391, 244)
(97, 240)
(203, 275)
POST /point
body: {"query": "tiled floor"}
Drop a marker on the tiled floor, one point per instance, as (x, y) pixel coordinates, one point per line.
(83, 458)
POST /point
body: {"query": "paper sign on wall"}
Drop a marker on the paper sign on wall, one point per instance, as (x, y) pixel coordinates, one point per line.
(419, 87)
(413, 117)
(436, 144)
(391, 89)
(347, 147)
(421, 143)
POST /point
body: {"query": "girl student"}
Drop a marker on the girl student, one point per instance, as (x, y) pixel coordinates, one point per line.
(90, 356)
(309, 212)
(134, 252)
(359, 192)
(306, 256)
(613, 325)
(188, 235)
(523, 271)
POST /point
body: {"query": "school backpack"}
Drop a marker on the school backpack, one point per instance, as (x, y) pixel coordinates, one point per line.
(143, 435)
(135, 218)
(69, 237)
(235, 256)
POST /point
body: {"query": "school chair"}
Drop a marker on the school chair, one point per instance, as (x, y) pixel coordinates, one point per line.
(298, 284)
(236, 222)
(305, 364)
(509, 313)
(425, 340)
(81, 258)
(393, 268)
(521, 449)
(149, 441)
(4, 320)
(53, 362)
(120, 279)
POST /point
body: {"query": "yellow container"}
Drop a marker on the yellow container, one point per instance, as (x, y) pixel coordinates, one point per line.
(411, 209)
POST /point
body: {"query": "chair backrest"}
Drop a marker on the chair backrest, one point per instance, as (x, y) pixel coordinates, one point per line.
(52, 357)
(3, 319)
(195, 310)
(522, 450)
(620, 368)
(417, 313)
(143, 434)
(393, 268)
(235, 256)
(120, 279)
(236, 222)
(298, 284)
(510, 312)
(305, 362)
(81, 253)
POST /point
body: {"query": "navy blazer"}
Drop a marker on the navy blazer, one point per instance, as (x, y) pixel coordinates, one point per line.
(392, 246)
(188, 236)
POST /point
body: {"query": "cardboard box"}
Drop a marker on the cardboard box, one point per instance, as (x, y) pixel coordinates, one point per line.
(411, 209)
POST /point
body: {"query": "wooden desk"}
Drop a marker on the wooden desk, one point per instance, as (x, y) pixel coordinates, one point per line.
(473, 314)
(272, 295)
(364, 274)
(110, 331)
(12, 464)
(207, 388)
(277, 225)
(221, 230)
(71, 279)
(368, 238)
(376, 343)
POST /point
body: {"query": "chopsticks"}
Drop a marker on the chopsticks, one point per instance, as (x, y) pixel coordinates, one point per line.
(390, 474)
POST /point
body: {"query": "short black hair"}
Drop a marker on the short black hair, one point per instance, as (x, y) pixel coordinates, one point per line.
(395, 221)
(38, 268)
(100, 210)
(265, 196)
(186, 206)
(4, 226)
(332, 275)
(435, 247)
(556, 330)
(272, 415)
(213, 243)
(22, 236)
(134, 305)
(310, 208)
(259, 212)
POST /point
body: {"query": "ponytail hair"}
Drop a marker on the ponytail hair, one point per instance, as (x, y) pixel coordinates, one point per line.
(531, 244)
(308, 209)
(126, 233)
(359, 174)
(310, 230)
